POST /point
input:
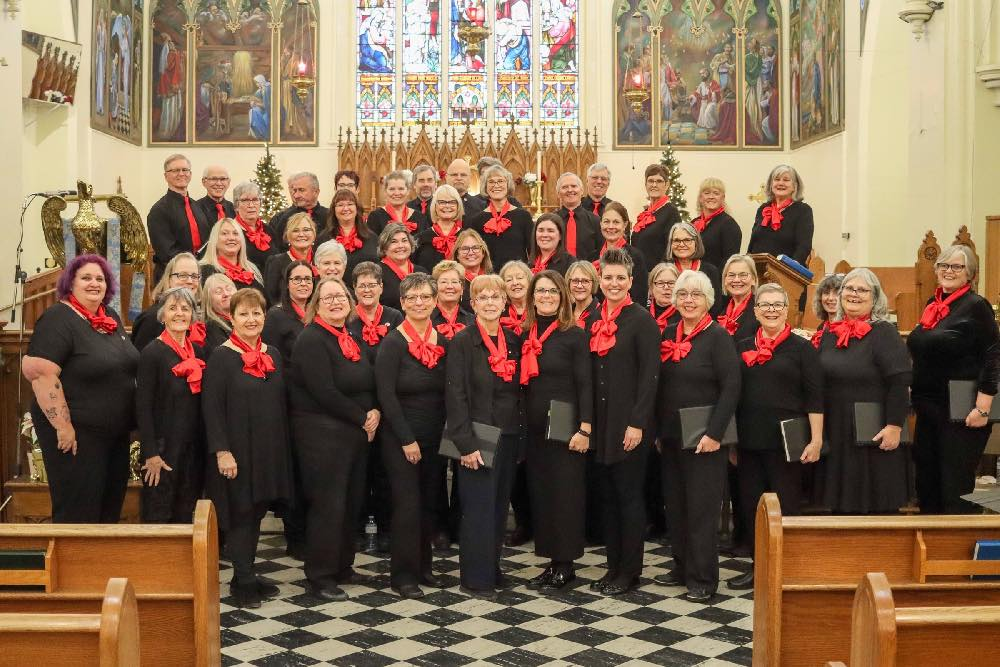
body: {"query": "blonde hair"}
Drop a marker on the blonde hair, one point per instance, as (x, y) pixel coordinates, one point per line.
(487, 264)
(711, 183)
(164, 283)
(208, 314)
(449, 192)
(313, 304)
(751, 267)
(446, 265)
(211, 257)
(293, 223)
(586, 268)
(488, 281)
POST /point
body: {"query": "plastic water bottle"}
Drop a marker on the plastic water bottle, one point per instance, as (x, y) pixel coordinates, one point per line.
(371, 535)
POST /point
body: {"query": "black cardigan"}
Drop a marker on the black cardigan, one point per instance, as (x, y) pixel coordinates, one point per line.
(411, 395)
(513, 244)
(795, 238)
(169, 415)
(722, 238)
(652, 239)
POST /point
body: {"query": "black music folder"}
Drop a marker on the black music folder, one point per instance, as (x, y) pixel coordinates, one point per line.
(488, 437)
(562, 421)
(795, 435)
(694, 424)
(869, 419)
(962, 398)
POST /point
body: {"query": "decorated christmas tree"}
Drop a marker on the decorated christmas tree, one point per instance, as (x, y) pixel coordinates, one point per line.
(268, 179)
(677, 198)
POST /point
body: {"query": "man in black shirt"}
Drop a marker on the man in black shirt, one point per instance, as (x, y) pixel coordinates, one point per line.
(214, 203)
(303, 188)
(583, 228)
(175, 222)
(598, 180)
(425, 181)
(458, 176)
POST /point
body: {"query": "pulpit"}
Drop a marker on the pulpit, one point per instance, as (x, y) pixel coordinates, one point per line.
(770, 270)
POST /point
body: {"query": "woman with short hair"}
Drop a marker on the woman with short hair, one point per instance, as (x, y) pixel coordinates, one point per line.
(300, 236)
(736, 309)
(506, 227)
(783, 225)
(649, 234)
(686, 250)
(347, 226)
(181, 271)
(721, 234)
(396, 187)
(216, 294)
(581, 279)
(226, 253)
(260, 246)
(395, 248)
(662, 279)
(548, 248)
(448, 316)
(615, 226)
(437, 243)
(374, 321)
(825, 302)
(330, 260)
(516, 277)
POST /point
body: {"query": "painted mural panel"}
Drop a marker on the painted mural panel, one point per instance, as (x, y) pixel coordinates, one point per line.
(633, 75)
(116, 69)
(816, 69)
(376, 29)
(296, 57)
(762, 76)
(168, 70)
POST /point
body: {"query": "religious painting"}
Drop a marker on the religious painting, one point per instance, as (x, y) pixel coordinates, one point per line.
(559, 54)
(116, 69)
(297, 101)
(168, 69)
(761, 76)
(422, 37)
(467, 63)
(633, 76)
(50, 68)
(512, 101)
(816, 69)
(376, 69)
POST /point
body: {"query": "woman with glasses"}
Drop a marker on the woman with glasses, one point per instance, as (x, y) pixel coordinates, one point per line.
(300, 236)
(334, 419)
(437, 243)
(686, 250)
(649, 234)
(614, 229)
(735, 310)
(548, 248)
(864, 360)
(396, 187)
(226, 253)
(347, 226)
(506, 227)
(699, 367)
(825, 302)
(662, 279)
(260, 245)
(783, 224)
(719, 232)
(473, 254)
(181, 271)
(581, 279)
(448, 316)
(395, 248)
(781, 379)
(215, 297)
(956, 340)
(330, 260)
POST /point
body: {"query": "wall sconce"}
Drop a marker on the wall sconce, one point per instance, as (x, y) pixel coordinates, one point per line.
(11, 7)
(917, 13)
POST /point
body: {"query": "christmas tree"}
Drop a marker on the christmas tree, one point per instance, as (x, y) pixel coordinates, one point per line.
(677, 198)
(268, 179)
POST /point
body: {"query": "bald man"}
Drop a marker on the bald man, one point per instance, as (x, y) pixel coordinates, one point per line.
(583, 228)
(215, 179)
(459, 176)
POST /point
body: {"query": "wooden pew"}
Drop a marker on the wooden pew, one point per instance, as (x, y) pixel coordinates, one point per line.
(807, 569)
(884, 635)
(173, 568)
(108, 639)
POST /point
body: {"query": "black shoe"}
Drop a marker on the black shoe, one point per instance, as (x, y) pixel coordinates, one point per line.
(430, 579)
(598, 586)
(541, 580)
(620, 588)
(559, 581)
(245, 596)
(267, 588)
(734, 550)
(699, 595)
(442, 541)
(326, 592)
(518, 537)
(479, 593)
(669, 579)
(744, 582)
(296, 551)
(408, 591)
(353, 577)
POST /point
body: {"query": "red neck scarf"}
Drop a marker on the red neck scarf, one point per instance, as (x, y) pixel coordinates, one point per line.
(190, 367)
(235, 272)
(818, 336)
(620, 243)
(542, 263)
(400, 273)
(647, 217)
(531, 348)
(471, 275)
(571, 232)
(255, 363)
(372, 331)
(101, 322)
(351, 241)
(257, 235)
(445, 243)
(512, 320)
(308, 258)
(662, 318)
(298, 311)
(939, 308)
(773, 214)
(197, 332)
(451, 325)
(584, 314)
(701, 222)
(695, 265)
(192, 224)
(731, 318)
(348, 346)
(497, 224)
(420, 346)
(402, 217)
(678, 348)
(499, 363)
(765, 347)
(602, 332)
(847, 329)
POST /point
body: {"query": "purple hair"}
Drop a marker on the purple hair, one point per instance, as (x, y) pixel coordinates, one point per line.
(65, 285)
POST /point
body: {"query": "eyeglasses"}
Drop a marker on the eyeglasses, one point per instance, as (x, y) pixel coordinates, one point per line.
(602, 179)
(738, 276)
(416, 298)
(581, 281)
(350, 185)
(365, 287)
(469, 249)
(250, 201)
(331, 299)
(217, 179)
(301, 280)
(767, 307)
(684, 294)
(664, 284)
(179, 170)
(496, 181)
(857, 291)
(223, 291)
(954, 268)
(186, 276)
(490, 298)
(546, 291)
(655, 181)
(682, 241)
(447, 202)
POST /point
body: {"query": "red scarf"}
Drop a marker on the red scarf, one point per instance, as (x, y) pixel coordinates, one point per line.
(647, 217)
(731, 318)
(101, 322)
(701, 222)
(497, 224)
(499, 363)
(307, 258)
(351, 241)
(847, 329)
(255, 363)
(190, 367)
(818, 336)
(571, 232)
(348, 346)
(371, 330)
(582, 320)
(695, 265)
(773, 214)
(451, 325)
(421, 347)
(402, 217)
(765, 347)
(602, 332)
(256, 235)
(678, 348)
(531, 348)
(298, 311)
(197, 332)
(661, 319)
(512, 320)
(235, 272)
(472, 275)
(541, 264)
(445, 243)
(620, 243)
(939, 308)
(400, 273)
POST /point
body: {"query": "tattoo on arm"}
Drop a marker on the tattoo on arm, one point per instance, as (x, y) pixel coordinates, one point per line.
(51, 413)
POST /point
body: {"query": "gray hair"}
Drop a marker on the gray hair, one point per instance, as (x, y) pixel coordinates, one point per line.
(567, 174)
(447, 191)
(204, 173)
(700, 281)
(800, 187)
(330, 247)
(971, 263)
(173, 158)
(598, 166)
(662, 267)
(880, 304)
(182, 294)
(699, 245)
(486, 162)
(243, 188)
(415, 280)
(397, 175)
(385, 238)
(772, 288)
(498, 169)
(830, 283)
(421, 168)
(304, 174)
(746, 259)
(587, 268)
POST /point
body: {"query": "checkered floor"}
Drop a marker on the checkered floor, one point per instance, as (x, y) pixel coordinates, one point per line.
(652, 625)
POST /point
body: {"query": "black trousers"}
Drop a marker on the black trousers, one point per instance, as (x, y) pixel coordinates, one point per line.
(656, 517)
(624, 513)
(693, 486)
(90, 486)
(520, 498)
(946, 455)
(377, 495)
(742, 535)
(485, 496)
(414, 508)
(762, 470)
(241, 542)
(332, 457)
(174, 498)
(594, 515)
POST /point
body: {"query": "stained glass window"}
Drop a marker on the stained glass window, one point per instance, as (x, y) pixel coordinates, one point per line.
(421, 61)
(376, 22)
(560, 61)
(513, 61)
(467, 65)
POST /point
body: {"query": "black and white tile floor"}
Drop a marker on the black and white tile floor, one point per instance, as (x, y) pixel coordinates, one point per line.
(652, 625)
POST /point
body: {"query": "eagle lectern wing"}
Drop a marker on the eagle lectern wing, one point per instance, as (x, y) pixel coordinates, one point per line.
(132, 231)
(52, 227)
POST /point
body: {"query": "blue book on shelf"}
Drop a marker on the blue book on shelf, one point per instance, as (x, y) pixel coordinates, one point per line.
(986, 550)
(788, 261)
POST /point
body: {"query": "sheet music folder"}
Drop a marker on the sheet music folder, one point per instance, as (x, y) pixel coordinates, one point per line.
(694, 424)
(488, 437)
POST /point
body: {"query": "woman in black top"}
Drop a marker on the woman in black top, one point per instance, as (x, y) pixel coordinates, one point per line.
(216, 294)
(548, 250)
(686, 250)
(260, 245)
(483, 387)
(437, 242)
(581, 280)
(555, 366)
(448, 317)
(395, 210)
(614, 230)
(286, 320)
(783, 224)
(181, 271)
(374, 321)
(168, 409)
(623, 339)
(330, 260)
(649, 234)
(506, 228)
(300, 235)
(410, 377)
(395, 248)
(864, 360)
(82, 369)
(225, 253)
(825, 301)
(473, 254)
(956, 339)
(250, 467)
(662, 279)
(334, 418)
(781, 380)
(721, 234)
(699, 368)
(735, 311)
(347, 226)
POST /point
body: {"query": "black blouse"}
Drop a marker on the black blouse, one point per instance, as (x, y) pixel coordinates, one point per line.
(795, 238)
(379, 218)
(513, 244)
(279, 222)
(652, 239)
(390, 285)
(391, 318)
(588, 232)
(748, 323)
(281, 329)
(169, 415)
(368, 252)
(426, 254)
(722, 238)
(411, 395)
(564, 374)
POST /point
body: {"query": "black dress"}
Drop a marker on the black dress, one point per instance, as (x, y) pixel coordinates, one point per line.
(379, 218)
(390, 285)
(281, 329)
(513, 244)
(651, 240)
(368, 252)
(723, 238)
(279, 222)
(170, 230)
(170, 427)
(588, 232)
(98, 381)
(426, 254)
(145, 327)
(795, 237)
(876, 368)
